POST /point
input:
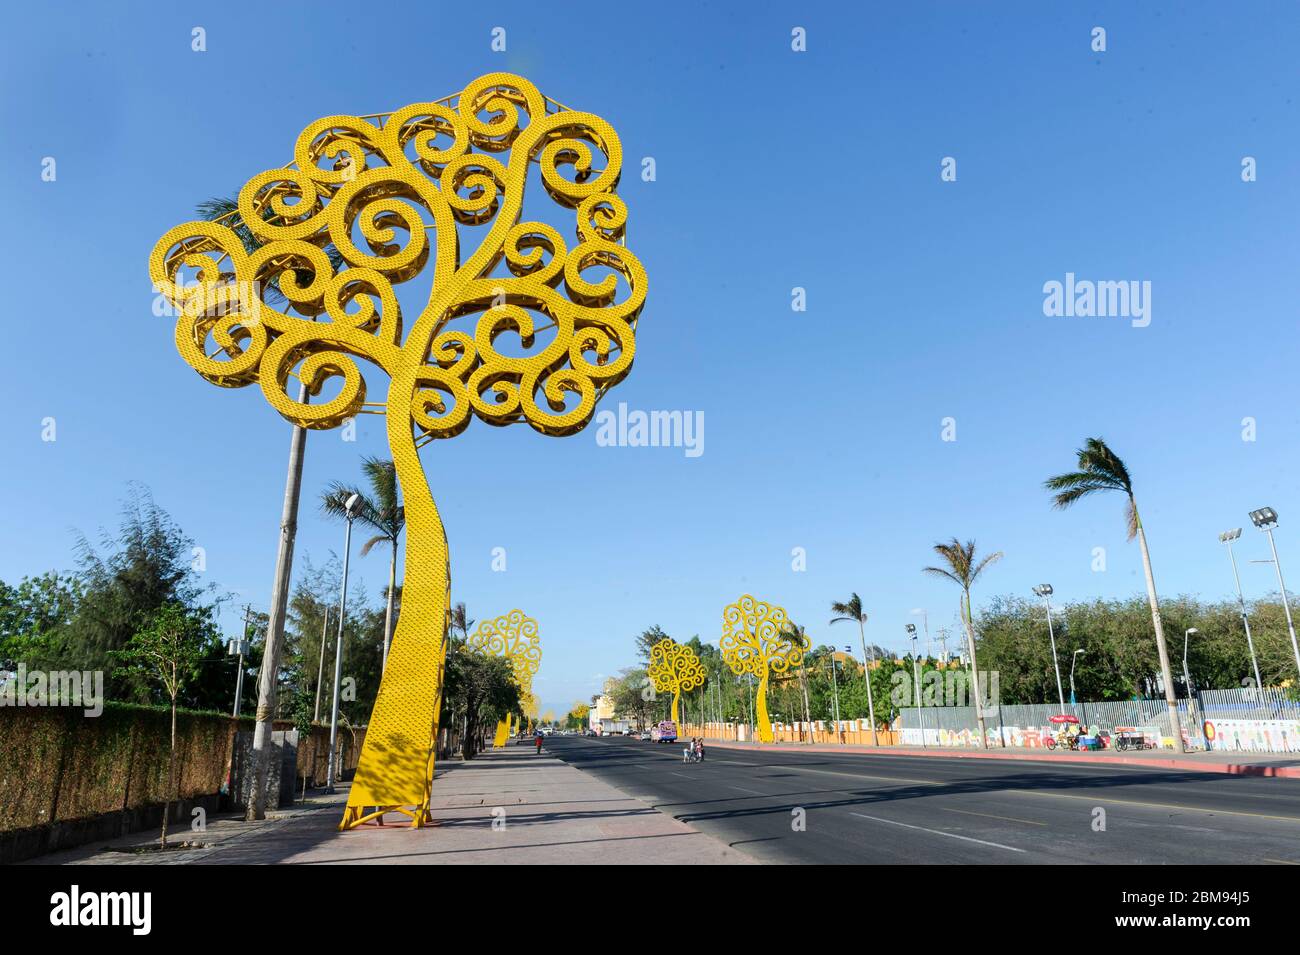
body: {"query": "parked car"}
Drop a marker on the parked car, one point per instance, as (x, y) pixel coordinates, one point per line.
(645, 736)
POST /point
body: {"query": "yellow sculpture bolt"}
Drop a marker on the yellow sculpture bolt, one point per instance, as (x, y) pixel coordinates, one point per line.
(757, 639)
(513, 327)
(515, 637)
(674, 668)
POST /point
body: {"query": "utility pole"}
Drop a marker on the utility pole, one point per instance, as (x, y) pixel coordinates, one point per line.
(1227, 537)
(266, 682)
(239, 672)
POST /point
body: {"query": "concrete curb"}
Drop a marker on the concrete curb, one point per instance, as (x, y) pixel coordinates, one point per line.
(1171, 762)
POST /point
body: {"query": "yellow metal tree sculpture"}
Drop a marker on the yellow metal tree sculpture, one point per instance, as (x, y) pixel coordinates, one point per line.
(674, 668)
(513, 322)
(515, 637)
(757, 639)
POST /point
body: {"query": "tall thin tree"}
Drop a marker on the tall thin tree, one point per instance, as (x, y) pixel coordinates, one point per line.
(851, 609)
(1100, 469)
(961, 567)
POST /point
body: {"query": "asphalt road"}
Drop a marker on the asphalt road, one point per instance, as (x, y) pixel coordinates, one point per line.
(904, 809)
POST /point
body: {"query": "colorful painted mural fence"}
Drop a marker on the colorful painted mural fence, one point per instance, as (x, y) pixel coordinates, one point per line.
(1253, 736)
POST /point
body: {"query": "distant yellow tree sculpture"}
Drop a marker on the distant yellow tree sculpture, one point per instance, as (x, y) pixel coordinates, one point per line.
(757, 639)
(522, 325)
(514, 636)
(674, 668)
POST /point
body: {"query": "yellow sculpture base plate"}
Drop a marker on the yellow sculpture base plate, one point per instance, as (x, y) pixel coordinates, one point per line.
(355, 816)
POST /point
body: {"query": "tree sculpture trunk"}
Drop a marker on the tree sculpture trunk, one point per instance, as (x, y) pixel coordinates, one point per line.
(677, 695)
(388, 611)
(1166, 674)
(396, 763)
(764, 727)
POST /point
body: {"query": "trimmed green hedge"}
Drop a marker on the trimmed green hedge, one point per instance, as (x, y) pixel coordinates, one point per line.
(56, 764)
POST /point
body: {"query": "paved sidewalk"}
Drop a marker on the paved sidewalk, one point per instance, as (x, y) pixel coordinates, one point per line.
(546, 812)
(1236, 764)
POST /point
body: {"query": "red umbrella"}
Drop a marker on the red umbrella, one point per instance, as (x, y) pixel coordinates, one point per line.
(1063, 718)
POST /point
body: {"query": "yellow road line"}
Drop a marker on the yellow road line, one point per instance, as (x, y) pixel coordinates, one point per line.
(989, 815)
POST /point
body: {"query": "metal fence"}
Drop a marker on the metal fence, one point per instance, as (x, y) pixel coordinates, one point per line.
(1028, 725)
(1249, 704)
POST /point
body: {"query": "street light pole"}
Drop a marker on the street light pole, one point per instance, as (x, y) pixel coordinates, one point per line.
(916, 682)
(239, 673)
(1045, 591)
(338, 644)
(1266, 519)
(1227, 537)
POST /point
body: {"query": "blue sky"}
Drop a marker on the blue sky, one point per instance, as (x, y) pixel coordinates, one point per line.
(775, 169)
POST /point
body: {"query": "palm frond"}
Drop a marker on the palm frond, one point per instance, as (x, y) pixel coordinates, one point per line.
(1100, 469)
(988, 559)
(334, 504)
(940, 572)
(382, 475)
(850, 609)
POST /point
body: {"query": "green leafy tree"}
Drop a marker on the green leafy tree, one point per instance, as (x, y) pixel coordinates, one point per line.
(481, 691)
(34, 613)
(166, 652)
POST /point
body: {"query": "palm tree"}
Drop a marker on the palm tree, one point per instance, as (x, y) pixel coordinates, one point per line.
(963, 570)
(1100, 469)
(460, 620)
(851, 609)
(382, 511)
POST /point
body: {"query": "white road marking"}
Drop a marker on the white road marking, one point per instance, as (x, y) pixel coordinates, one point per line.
(937, 832)
(744, 790)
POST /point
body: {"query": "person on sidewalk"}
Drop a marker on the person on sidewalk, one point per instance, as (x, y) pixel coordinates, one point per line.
(537, 738)
(699, 749)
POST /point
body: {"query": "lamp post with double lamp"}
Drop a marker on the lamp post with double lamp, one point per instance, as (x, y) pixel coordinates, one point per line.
(925, 622)
(1266, 519)
(1045, 591)
(1187, 680)
(916, 681)
(1227, 537)
(349, 508)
